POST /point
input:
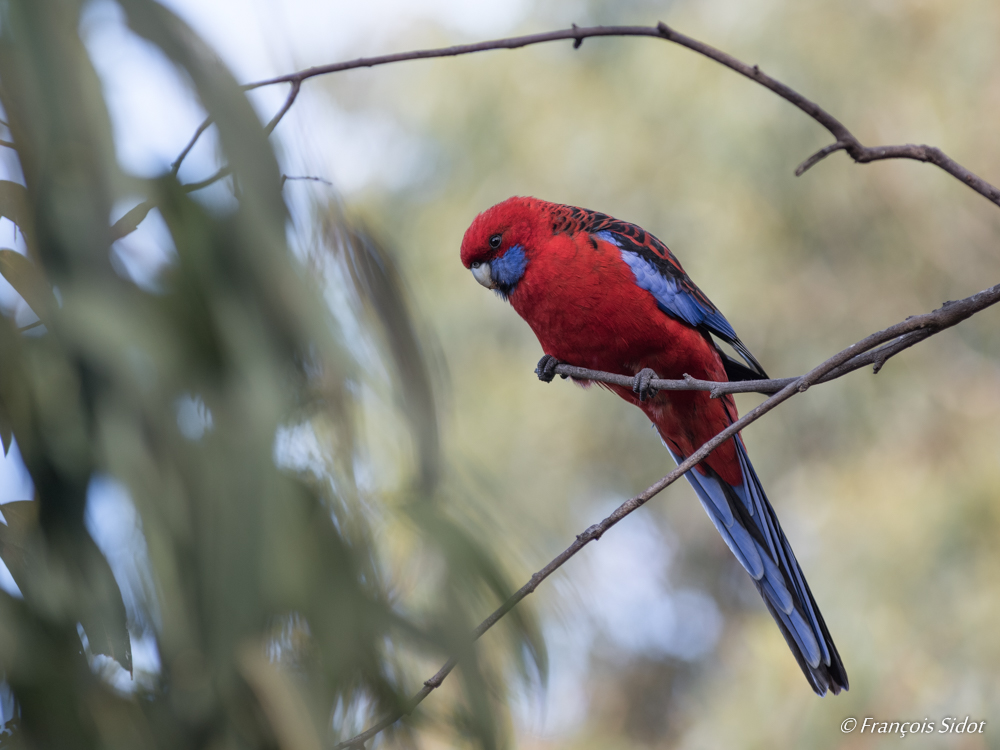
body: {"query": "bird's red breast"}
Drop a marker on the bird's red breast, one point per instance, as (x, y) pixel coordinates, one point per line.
(582, 302)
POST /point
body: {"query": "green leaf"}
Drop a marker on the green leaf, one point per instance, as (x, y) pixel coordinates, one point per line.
(14, 203)
(128, 223)
(241, 134)
(22, 520)
(101, 608)
(384, 294)
(99, 603)
(27, 281)
(6, 431)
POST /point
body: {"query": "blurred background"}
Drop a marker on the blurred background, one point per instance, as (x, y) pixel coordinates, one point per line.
(887, 486)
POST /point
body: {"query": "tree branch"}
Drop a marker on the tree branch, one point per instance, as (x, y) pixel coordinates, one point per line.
(224, 171)
(846, 141)
(949, 314)
(289, 101)
(176, 166)
(873, 349)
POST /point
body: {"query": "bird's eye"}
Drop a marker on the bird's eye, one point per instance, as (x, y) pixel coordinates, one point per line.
(477, 264)
(495, 241)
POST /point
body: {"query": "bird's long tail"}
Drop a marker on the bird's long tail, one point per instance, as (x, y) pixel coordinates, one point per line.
(748, 524)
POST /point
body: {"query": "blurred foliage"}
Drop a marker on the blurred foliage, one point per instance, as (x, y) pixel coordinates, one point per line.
(224, 398)
(887, 485)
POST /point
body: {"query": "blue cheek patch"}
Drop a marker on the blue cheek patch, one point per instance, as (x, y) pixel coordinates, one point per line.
(508, 269)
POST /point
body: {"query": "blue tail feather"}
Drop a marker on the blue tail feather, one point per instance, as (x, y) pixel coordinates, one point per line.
(750, 528)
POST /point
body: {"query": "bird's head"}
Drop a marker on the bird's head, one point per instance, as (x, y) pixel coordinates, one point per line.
(496, 248)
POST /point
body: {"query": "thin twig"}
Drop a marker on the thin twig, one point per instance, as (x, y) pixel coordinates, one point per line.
(225, 171)
(819, 156)
(575, 33)
(289, 101)
(308, 177)
(928, 324)
(222, 172)
(176, 166)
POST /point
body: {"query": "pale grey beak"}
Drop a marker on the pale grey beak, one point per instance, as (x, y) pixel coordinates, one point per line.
(483, 274)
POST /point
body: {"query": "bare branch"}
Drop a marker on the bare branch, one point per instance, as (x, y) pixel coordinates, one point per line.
(176, 166)
(222, 172)
(902, 335)
(861, 154)
(819, 156)
(289, 101)
(845, 139)
(576, 33)
(307, 177)
(946, 316)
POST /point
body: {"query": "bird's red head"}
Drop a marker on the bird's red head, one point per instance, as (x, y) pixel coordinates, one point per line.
(497, 245)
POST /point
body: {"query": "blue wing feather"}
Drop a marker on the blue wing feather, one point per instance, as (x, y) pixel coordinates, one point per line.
(658, 272)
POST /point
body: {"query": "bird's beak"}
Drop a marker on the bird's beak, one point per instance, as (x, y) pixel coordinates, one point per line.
(484, 274)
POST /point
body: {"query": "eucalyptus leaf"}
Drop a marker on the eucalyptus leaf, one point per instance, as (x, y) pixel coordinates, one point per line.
(29, 282)
(6, 431)
(98, 598)
(131, 220)
(14, 204)
(22, 521)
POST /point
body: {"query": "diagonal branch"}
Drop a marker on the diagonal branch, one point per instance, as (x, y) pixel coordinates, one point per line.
(269, 128)
(176, 166)
(879, 346)
(293, 94)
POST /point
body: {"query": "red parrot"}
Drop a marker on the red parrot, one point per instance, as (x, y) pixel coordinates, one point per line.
(605, 294)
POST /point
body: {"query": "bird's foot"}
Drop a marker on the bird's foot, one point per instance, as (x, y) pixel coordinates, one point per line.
(546, 368)
(641, 384)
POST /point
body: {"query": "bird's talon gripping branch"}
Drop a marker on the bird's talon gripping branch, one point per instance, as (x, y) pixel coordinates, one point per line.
(546, 368)
(641, 384)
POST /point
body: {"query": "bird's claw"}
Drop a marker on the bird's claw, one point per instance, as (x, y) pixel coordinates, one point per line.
(546, 368)
(641, 384)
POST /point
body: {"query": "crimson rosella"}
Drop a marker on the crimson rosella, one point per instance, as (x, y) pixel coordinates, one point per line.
(604, 294)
